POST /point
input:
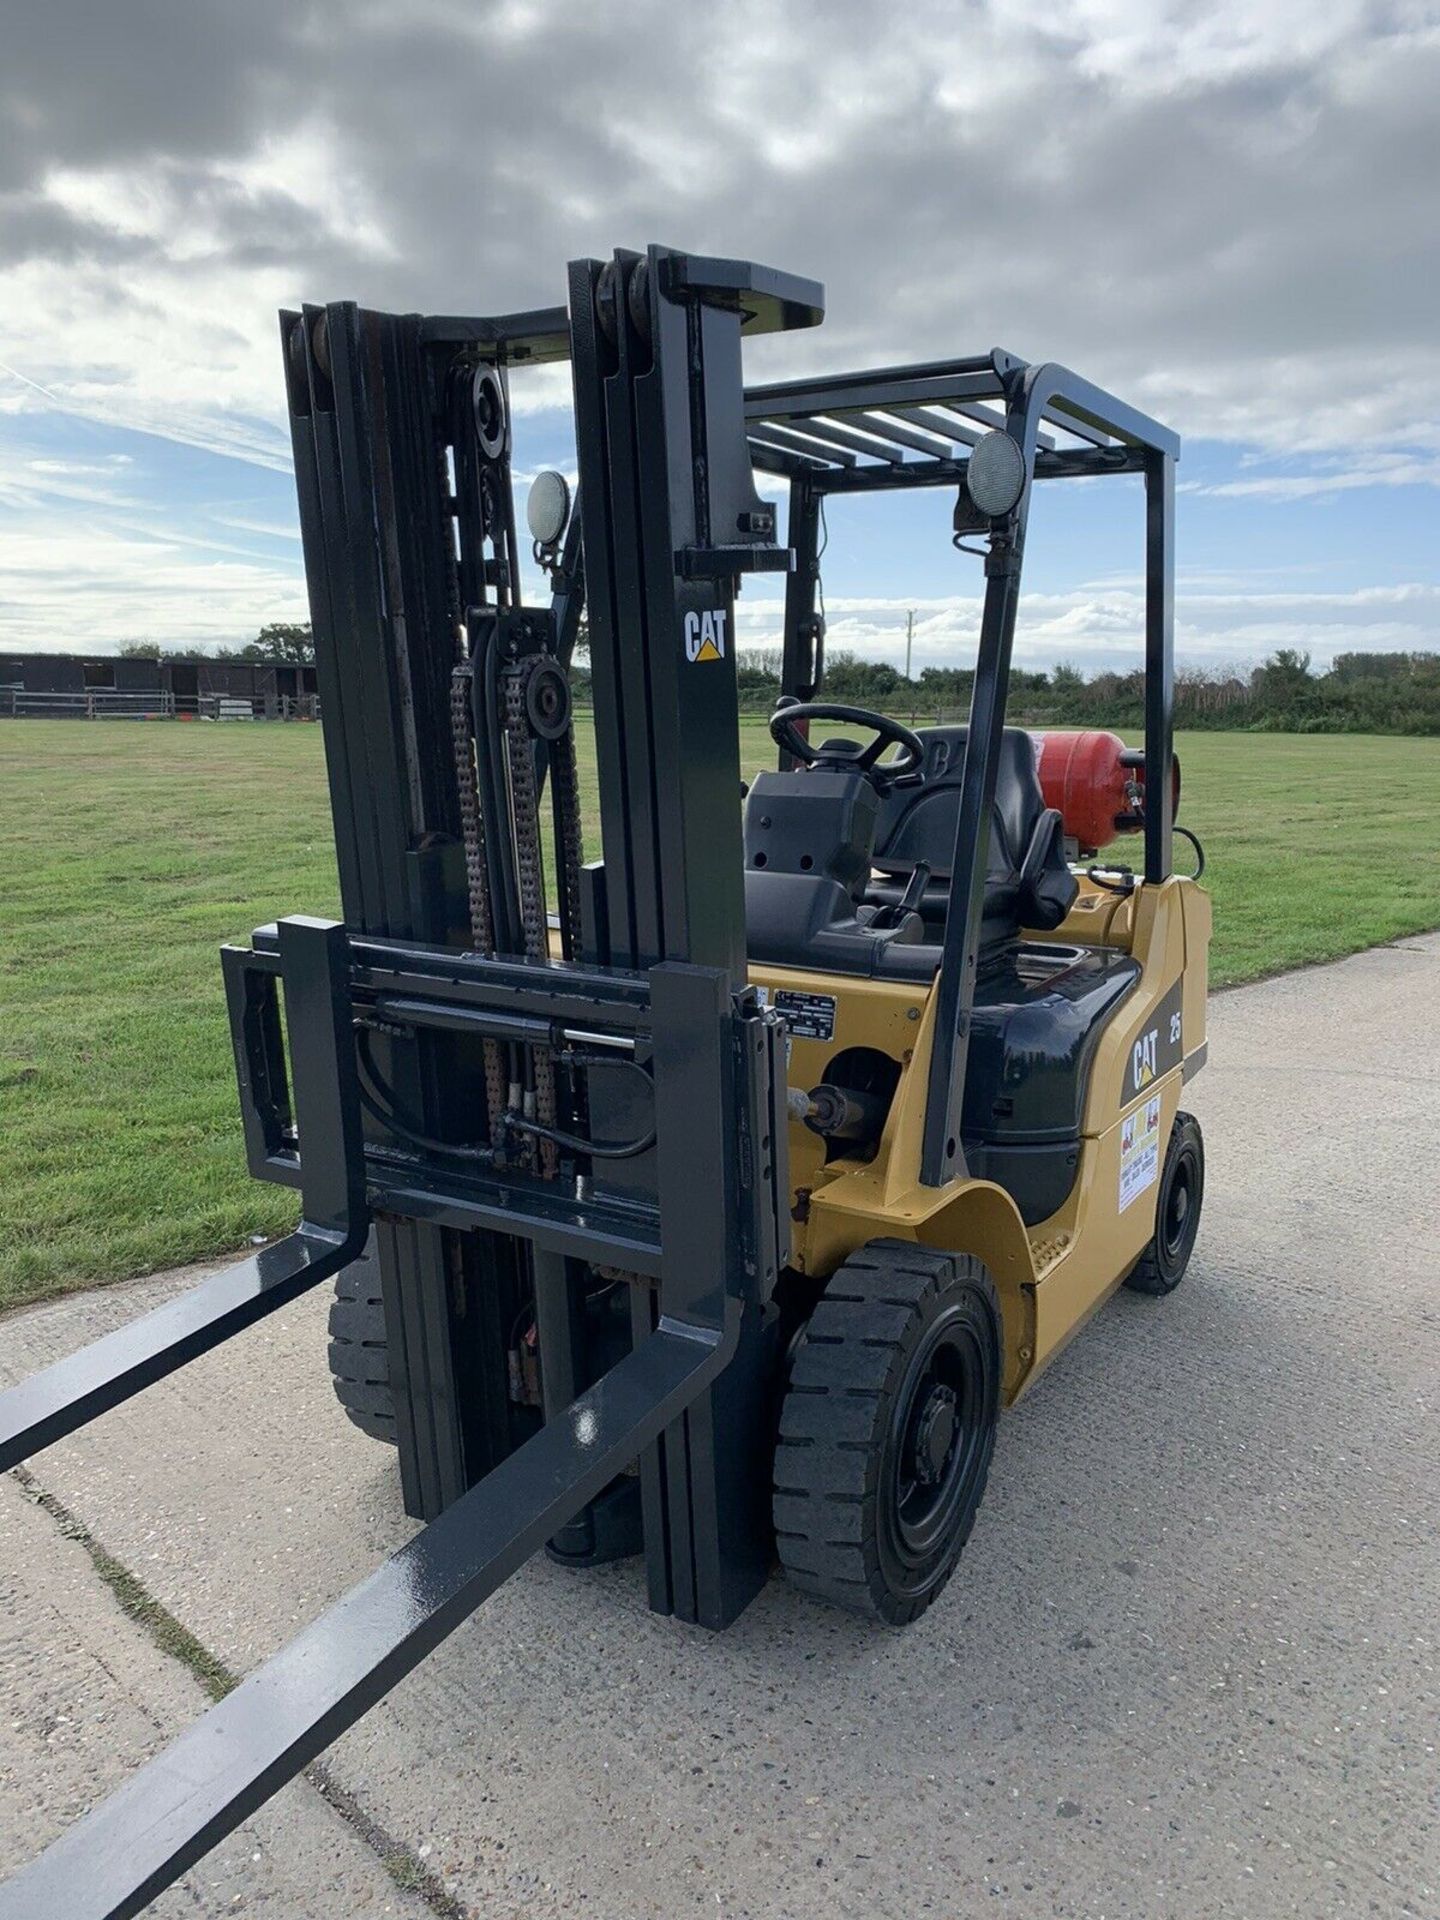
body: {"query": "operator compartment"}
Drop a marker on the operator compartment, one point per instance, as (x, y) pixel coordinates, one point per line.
(1028, 882)
(847, 866)
(848, 871)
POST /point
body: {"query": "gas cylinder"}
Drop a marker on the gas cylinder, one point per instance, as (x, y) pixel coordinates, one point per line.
(1096, 784)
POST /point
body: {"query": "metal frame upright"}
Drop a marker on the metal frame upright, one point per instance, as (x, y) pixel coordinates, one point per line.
(671, 519)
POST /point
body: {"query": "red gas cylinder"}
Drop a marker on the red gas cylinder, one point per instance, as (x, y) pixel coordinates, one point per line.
(1096, 784)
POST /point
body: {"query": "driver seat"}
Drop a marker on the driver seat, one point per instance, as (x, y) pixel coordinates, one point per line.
(1028, 882)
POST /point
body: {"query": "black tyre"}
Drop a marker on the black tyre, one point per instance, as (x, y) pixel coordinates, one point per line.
(1161, 1267)
(887, 1429)
(359, 1354)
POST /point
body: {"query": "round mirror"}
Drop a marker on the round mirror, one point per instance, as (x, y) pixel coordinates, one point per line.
(548, 508)
(995, 474)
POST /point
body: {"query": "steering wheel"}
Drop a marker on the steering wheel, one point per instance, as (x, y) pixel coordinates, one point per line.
(842, 756)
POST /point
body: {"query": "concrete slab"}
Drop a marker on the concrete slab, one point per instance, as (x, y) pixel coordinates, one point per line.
(1189, 1665)
(88, 1697)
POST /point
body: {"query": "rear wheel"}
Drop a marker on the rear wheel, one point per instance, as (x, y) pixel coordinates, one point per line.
(359, 1353)
(1161, 1267)
(887, 1429)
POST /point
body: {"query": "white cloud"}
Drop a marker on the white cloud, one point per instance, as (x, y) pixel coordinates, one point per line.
(167, 325)
(270, 529)
(1102, 627)
(1225, 212)
(106, 466)
(40, 484)
(1326, 478)
(119, 584)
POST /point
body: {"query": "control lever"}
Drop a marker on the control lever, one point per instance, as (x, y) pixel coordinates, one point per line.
(889, 917)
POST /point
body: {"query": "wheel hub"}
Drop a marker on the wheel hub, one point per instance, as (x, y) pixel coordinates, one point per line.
(935, 1434)
(1177, 1213)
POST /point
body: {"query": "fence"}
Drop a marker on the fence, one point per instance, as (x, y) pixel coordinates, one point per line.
(156, 703)
(91, 703)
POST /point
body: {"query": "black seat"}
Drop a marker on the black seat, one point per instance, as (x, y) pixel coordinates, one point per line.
(1028, 882)
(815, 840)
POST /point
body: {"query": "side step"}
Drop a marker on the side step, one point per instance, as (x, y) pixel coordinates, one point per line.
(117, 1859)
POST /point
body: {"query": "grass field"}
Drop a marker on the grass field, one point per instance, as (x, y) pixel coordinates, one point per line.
(129, 852)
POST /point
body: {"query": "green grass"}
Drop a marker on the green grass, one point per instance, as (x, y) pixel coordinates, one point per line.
(130, 852)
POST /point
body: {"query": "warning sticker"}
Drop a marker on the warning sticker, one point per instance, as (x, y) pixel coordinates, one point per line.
(809, 1016)
(1139, 1151)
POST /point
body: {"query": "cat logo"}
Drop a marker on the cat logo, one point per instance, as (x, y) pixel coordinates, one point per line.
(1158, 1048)
(1143, 1060)
(705, 635)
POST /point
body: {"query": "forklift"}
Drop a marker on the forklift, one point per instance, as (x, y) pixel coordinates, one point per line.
(705, 1201)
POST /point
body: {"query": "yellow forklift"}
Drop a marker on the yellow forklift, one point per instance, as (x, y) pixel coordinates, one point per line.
(704, 1201)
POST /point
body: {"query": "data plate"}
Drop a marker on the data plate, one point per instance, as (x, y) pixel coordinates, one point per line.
(808, 1016)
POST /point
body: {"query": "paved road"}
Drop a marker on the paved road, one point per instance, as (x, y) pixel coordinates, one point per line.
(1189, 1668)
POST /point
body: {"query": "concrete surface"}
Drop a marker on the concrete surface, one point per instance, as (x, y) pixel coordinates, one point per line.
(1188, 1667)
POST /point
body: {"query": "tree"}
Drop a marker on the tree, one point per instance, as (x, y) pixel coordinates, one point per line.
(1284, 682)
(140, 650)
(285, 642)
(757, 670)
(863, 681)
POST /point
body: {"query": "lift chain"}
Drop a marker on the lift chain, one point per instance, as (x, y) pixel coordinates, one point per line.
(472, 828)
(530, 871)
(570, 852)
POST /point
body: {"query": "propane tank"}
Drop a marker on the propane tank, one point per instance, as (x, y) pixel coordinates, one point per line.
(1096, 784)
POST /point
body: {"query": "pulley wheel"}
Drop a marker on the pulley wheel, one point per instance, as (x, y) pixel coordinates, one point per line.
(488, 401)
(547, 701)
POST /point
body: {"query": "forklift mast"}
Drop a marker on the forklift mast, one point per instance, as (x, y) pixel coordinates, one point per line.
(433, 1066)
(402, 440)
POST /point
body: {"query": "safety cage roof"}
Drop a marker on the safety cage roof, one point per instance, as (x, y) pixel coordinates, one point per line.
(915, 426)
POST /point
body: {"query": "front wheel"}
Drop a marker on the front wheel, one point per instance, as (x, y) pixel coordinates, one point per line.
(1161, 1267)
(359, 1351)
(887, 1429)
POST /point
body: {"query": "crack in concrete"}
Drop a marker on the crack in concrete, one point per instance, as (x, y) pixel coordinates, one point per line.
(403, 1864)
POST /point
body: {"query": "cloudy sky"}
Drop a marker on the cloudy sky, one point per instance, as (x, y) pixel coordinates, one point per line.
(1227, 211)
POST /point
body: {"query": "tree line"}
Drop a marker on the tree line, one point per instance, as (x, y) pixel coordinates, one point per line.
(1357, 693)
(283, 643)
